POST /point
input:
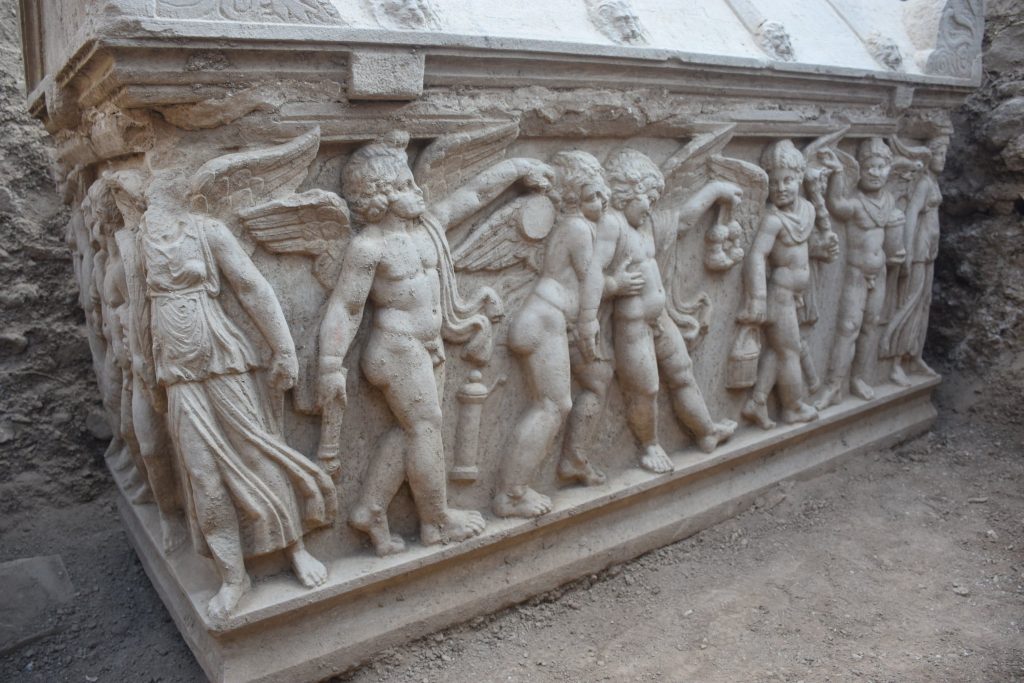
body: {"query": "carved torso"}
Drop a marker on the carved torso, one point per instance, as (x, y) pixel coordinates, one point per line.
(865, 236)
(637, 251)
(192, 336)
(789, 258)
(406, 290)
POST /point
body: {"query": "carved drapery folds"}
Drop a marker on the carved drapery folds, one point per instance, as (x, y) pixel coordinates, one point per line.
(582, 275)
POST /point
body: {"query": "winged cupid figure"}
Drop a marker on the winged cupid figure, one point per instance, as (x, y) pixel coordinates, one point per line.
(778, 280)
(903, 339)
(874, 239)
(399, 261)
(246, 492)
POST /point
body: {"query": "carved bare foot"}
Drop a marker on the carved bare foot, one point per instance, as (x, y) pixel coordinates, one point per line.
(310, 571)
(172, 531)
(721, 432)
(861, 389)
(919, 367)
(799, 413)
(757, 413)
(582, 472)
(529, 503)
(813, 385)
(226, 600)
(655, 459)
(898, 376)
(833, 396)
(373, 521)
(454, 526)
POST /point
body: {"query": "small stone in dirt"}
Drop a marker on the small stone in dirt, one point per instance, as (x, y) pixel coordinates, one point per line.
(961, 590)
(992, 534)
(12, 343)
(983, 499)
(96, 423)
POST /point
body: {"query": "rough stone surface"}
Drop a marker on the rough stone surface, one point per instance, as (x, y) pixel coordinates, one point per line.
(45, 369)
(978, 312)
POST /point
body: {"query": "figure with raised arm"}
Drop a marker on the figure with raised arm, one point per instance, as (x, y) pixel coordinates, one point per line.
(776, 278)
(399, 261)
(648, 345)
(563, 301)
(874, 238)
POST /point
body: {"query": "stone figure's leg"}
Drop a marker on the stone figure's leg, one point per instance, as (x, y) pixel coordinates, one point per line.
(538, 337)
(863, 369)
(783, 335)
(214, 510)
(143, 492)
(638, 376)
(756, 407)
(594, 378)
(404, 372)
(384, 475)
(310, 571)
(155, 447)
(676, 369)
(851, 313)
(807, 365)
(917, 364)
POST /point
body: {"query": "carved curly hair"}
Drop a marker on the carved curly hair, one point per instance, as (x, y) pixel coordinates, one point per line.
(628, 168)
(575, 170)
(370, 172)
(783, 155)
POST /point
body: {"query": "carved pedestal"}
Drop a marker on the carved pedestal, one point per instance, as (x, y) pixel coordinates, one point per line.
(404, 311)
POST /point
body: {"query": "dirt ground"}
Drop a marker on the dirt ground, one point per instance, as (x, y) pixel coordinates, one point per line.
(905, 564)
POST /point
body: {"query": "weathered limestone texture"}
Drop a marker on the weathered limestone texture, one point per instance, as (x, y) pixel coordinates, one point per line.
(397, 296)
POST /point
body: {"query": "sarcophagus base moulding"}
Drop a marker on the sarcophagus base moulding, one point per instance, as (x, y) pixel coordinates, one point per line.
(404, 311)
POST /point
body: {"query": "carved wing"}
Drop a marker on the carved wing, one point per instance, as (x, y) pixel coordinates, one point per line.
(450, 160)
(754, 182)
(512, 235)
(315, 223)
(816, 176)
(686, 171)
(225, 185)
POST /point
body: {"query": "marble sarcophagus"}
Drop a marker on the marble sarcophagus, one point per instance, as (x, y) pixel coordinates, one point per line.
(406, 310)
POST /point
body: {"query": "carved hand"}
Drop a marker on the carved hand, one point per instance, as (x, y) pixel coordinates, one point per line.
(625, 282)
(332, 387)
(829, 160)
(537, 175)
(588, 331)
(826, 247)
(284, 371)
(897, 259)
(728, 192)
(754, 312)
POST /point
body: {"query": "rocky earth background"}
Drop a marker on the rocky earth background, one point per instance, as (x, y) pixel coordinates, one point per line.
(904, 566)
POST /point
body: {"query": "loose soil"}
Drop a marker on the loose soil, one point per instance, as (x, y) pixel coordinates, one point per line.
(902, 564)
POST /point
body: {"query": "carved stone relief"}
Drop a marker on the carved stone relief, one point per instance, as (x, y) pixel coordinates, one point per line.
(278, 11)
(947, 37)
(617, 20)
(779, 286)
(903, 339)
(874, 240)
(405, 14)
